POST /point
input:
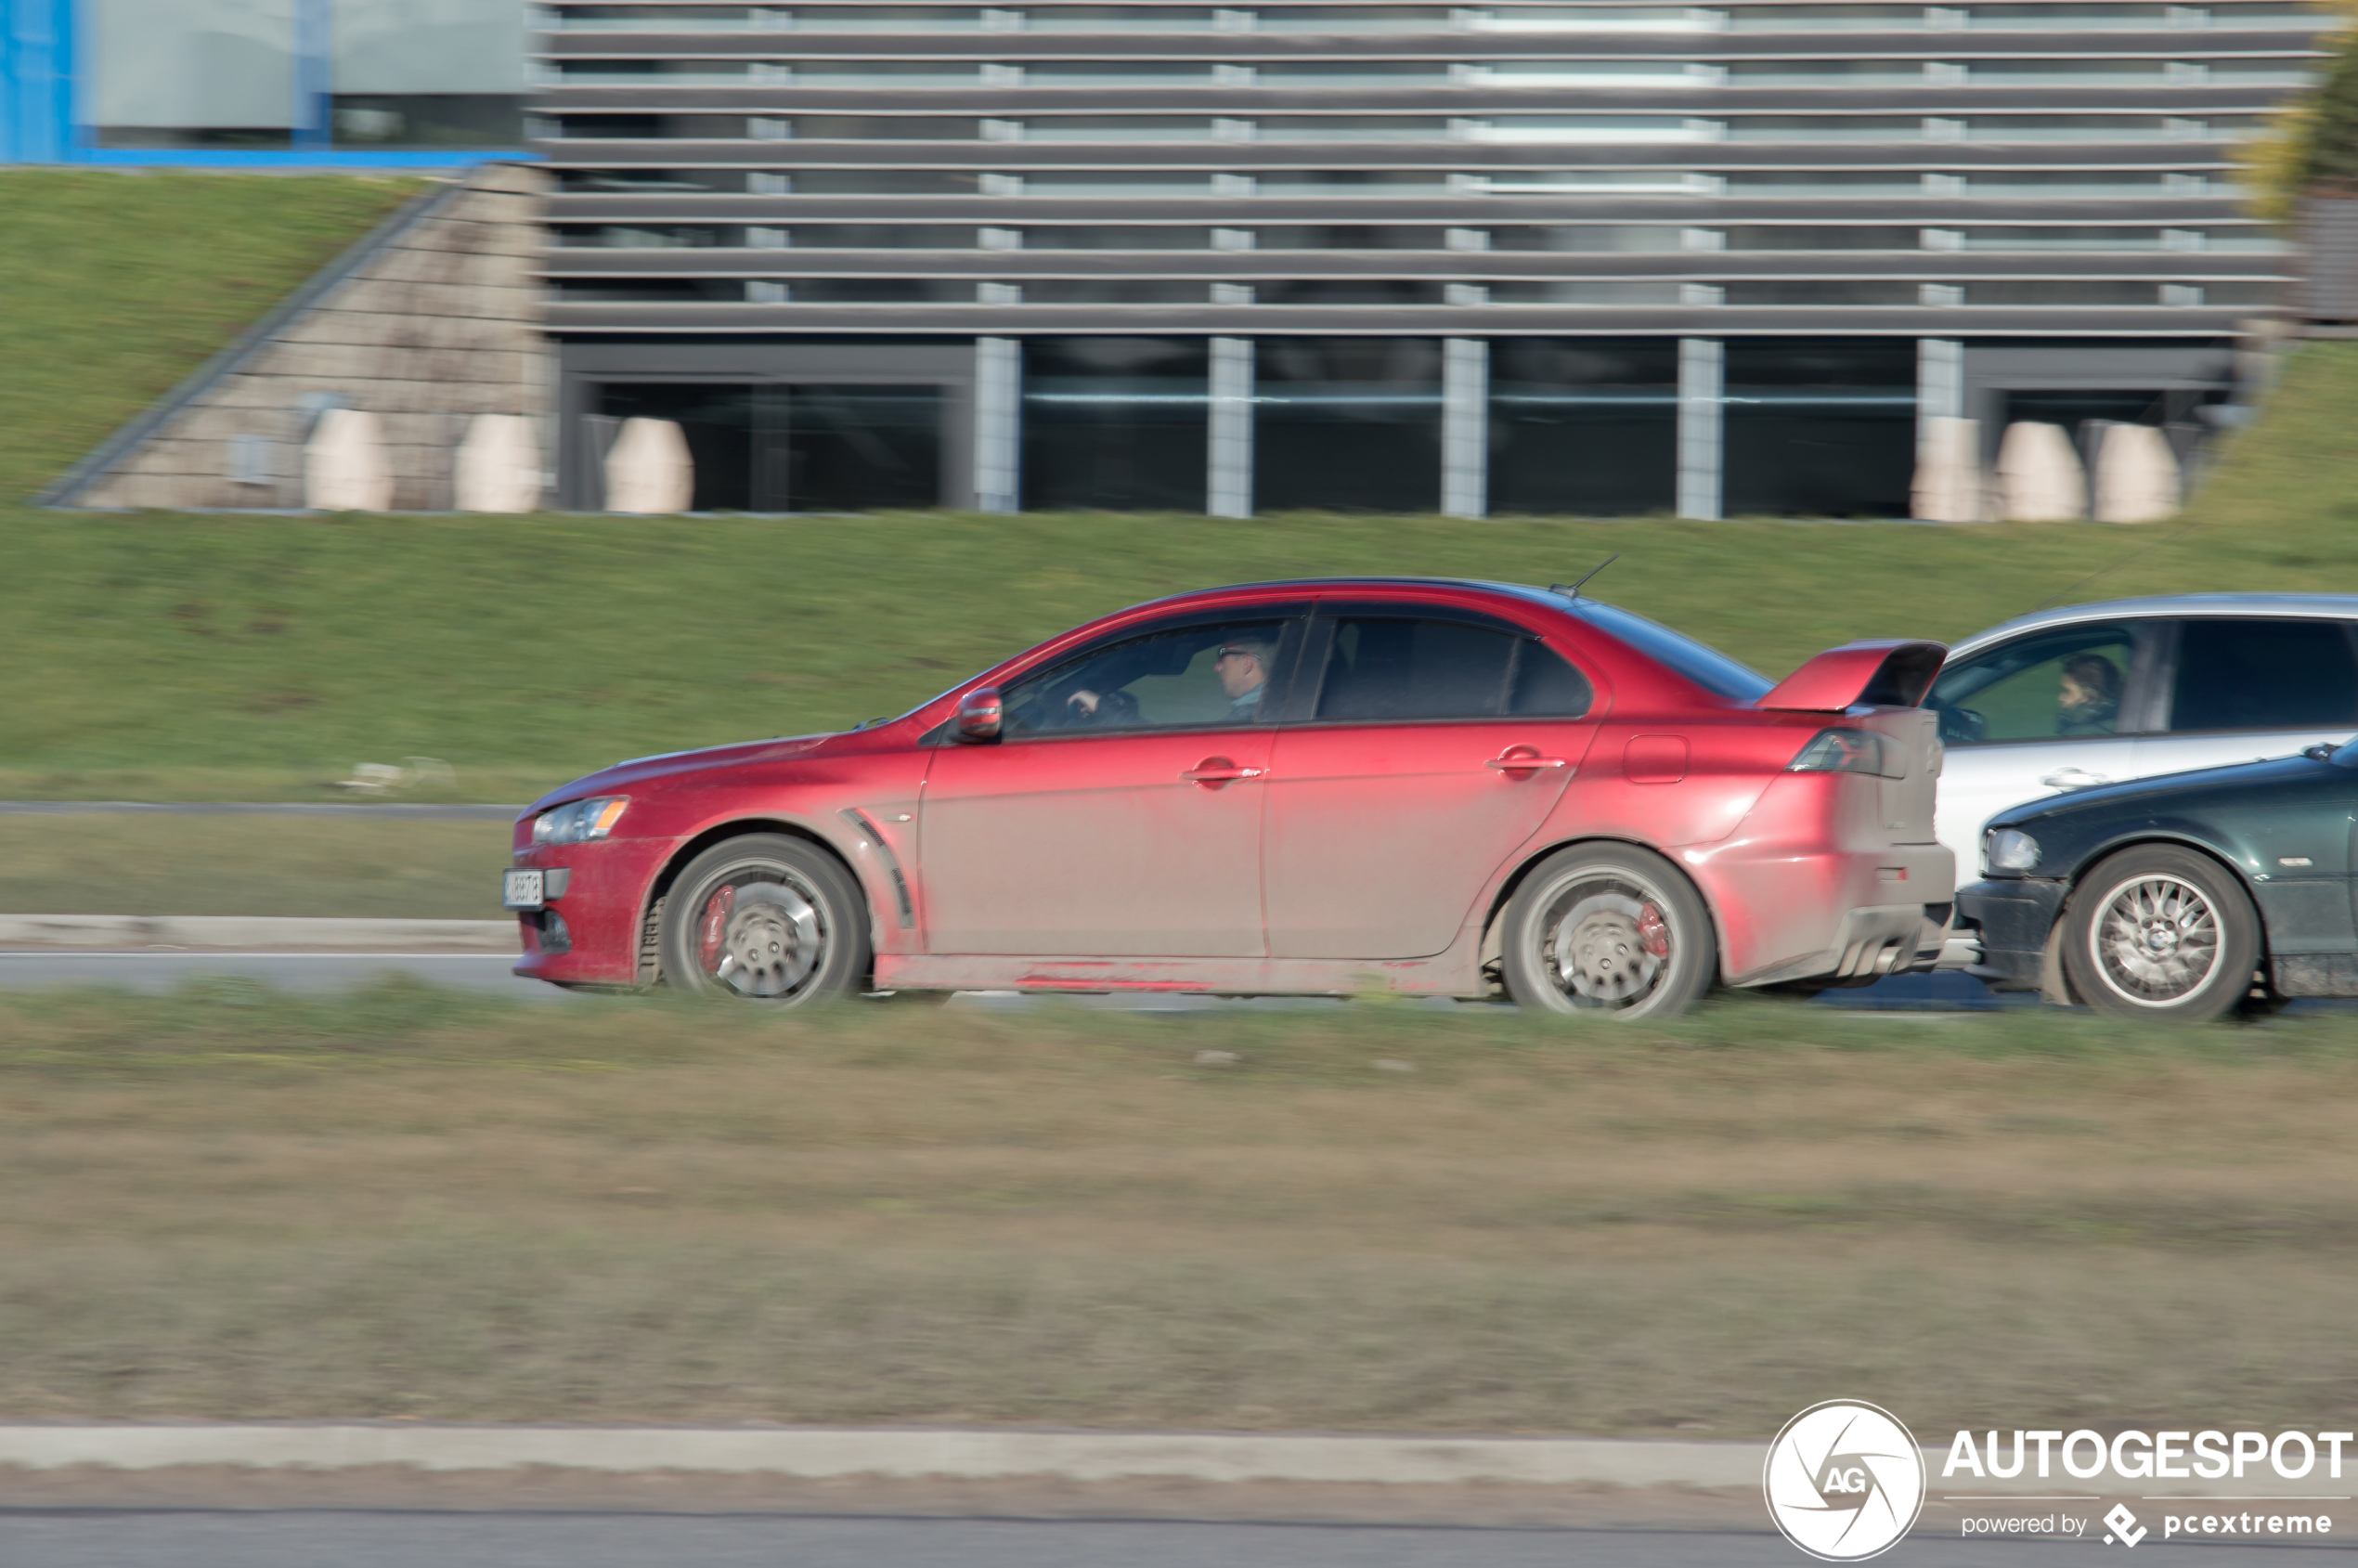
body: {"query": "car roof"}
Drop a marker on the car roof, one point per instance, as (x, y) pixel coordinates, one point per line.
(2322, 606)
(1547, 598)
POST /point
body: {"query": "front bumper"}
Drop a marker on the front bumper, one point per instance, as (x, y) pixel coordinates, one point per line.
(2016, 915)
(602, 904)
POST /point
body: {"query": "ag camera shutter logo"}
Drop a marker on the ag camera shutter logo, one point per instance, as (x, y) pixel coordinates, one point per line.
(1845, 1481)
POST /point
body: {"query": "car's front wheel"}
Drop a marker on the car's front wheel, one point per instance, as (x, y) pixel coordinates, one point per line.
(1607, 929)
(2164, 933)
(769, 919)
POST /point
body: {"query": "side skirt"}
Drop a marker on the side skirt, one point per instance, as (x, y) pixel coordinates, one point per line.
(1449, 974)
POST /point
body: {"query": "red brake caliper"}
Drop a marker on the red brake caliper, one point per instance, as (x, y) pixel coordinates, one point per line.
(715, 926)
(1653, 931)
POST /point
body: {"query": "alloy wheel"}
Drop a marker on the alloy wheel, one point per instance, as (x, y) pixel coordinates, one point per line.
(1608, 942)
(761, 937)
(2157, 941)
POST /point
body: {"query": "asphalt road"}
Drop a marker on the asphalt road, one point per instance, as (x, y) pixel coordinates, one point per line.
(286, 971)
(364, 1539)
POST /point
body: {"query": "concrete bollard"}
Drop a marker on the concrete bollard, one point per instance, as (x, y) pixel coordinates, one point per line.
(649, 471)
(2136, 475)
(499, 466)
(2040, 477)
(345, 467)
(1949, 485)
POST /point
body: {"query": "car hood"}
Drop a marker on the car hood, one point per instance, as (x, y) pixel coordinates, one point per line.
(2170, 791)
(679, 765)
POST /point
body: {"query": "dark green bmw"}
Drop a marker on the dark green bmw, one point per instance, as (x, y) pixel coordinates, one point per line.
(2178, 897)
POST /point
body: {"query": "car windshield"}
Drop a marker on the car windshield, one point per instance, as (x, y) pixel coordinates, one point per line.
(1707, 667)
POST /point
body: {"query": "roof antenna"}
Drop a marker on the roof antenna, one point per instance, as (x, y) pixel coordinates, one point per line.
(1572, 590)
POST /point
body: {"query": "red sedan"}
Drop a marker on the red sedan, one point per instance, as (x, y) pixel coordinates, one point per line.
(1425, 786)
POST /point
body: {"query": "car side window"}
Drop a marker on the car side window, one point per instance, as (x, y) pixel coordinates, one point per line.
(1203, 674)
(2050, 684)
(2263, 674)
(1408, 666)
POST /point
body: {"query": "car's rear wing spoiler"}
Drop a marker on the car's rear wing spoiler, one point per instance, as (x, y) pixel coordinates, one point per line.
(1882, 673)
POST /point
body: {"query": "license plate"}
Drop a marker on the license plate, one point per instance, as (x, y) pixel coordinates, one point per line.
(521, 889)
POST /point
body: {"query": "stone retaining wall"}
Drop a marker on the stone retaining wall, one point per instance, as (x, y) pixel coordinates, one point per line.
(433, 324)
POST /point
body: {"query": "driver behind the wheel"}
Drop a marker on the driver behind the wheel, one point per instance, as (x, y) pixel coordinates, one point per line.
(1242, 664)
(2088, 699)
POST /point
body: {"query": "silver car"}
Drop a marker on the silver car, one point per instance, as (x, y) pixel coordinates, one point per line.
(2093, 693)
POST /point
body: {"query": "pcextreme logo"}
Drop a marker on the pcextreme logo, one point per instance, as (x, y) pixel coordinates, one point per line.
(1845, 1481)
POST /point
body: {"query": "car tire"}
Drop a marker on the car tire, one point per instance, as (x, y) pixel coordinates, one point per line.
(768, 919)
(2161, 933)
(1607, 930)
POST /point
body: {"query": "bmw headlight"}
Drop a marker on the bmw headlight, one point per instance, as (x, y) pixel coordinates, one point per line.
(2009, 848)
(581, 822)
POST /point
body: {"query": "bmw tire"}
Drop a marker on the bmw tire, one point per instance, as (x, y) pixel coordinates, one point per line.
(2161, 933)
(768, 919)
(1607, 930)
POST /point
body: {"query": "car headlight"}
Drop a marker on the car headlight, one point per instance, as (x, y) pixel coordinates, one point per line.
(579, 823)
(1849, 751)
(2009, 848)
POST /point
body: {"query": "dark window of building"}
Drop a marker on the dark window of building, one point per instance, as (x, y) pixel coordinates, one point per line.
(2264, 675)
(855, 448)
(463, 120)
(798, 448)
(1819, 430)
(1584, 426)
(1347, 424)
(1118, 423)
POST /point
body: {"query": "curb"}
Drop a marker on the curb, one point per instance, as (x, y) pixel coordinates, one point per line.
(827, 1453)
(132, 932)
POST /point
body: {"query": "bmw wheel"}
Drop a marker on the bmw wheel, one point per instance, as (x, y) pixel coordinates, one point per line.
(767, 918)
(2160, 932)
(1607, 929)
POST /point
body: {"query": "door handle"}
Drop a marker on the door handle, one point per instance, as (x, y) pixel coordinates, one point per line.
(1218, 771)
(2073, 778)
(1525, 762)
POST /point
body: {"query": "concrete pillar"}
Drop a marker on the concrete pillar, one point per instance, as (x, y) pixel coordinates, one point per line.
(2137, 477)
(649, 471)
(499, 466)
(1949, 485)
(2039, 476)
(1940, 385)
(1229, 481)
(1702, 445)
(344, 468)
(998, 424)
(1465, 427)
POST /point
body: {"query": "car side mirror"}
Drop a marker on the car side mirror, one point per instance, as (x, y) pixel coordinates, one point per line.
(980, 715)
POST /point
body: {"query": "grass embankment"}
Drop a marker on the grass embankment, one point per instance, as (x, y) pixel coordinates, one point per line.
(122, 283)
(260, 657)
(126, 864)
(232, 1204)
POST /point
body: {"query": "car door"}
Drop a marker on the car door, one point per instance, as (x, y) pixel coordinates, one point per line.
(1430, 743)
(2241, 688)
(1119, 813)
(2047, 711)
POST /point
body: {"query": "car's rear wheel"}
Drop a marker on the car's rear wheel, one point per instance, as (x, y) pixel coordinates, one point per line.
(1610, 931)
(767, 918)
(2157, 932)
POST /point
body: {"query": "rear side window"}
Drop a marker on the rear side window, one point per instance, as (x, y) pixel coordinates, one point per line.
(2264, 675)
(1386, 667)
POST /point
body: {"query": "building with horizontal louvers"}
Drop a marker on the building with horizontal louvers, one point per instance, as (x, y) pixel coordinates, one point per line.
(1506, 258)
